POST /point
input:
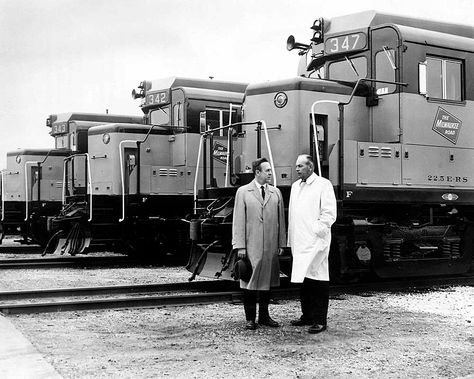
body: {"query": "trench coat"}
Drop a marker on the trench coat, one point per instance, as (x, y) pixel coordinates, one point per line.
(311, 213)
(259, 226)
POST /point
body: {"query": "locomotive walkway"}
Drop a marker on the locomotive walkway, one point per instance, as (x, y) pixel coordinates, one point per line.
(19, 358)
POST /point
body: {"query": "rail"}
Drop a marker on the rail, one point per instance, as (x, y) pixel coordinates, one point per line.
(216, 294)
(89, 179)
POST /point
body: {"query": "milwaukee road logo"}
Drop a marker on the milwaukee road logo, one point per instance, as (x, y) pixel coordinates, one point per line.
(219, 152)
(447, 125)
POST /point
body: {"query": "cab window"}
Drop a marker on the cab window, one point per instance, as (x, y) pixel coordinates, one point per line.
(443, 79)
(385, 70)
(348, 70)
(62, 142)
(160, 116)
(178, 119)
(215, 118)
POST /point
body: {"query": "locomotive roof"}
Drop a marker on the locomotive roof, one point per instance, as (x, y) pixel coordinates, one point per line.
(217, 85)
(373, 18)
(127, 128)
(39, 152)
(94, 117)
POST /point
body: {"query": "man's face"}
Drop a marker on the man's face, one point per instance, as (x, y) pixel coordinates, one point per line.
(303, 168)
(264, 175)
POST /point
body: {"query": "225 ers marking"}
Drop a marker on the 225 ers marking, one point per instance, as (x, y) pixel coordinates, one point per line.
(448, 178)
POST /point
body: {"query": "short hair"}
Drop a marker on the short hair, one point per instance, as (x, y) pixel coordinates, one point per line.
(309, 158)
(256, 165)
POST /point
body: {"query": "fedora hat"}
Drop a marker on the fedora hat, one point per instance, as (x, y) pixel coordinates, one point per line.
(243, 270)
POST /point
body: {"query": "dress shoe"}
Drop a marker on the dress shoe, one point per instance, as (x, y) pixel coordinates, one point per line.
(269, 322)
(316, 328)
(251, 325)
(301, 322)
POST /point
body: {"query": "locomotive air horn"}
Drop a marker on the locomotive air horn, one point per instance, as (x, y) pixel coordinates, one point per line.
(292, 44)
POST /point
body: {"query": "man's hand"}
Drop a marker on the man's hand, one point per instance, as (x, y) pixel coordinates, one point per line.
(242, 253)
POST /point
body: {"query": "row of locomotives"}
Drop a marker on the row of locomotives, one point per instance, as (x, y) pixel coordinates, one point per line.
(33, 179)
(383, 103)
(40, 175)
(136, 189)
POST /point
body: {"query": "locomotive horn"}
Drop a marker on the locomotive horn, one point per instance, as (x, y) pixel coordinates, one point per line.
(137, 95)
(292, 44)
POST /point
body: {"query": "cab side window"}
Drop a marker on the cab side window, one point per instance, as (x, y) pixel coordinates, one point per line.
(443, 79)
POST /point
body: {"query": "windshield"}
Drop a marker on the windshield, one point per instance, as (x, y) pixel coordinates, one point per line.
(349, 69)
(160, 116)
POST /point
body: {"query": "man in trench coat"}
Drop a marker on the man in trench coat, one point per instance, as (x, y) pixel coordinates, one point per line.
(258, 233)
(311, 213)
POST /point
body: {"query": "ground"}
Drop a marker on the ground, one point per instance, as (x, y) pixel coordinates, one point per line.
(384, 335)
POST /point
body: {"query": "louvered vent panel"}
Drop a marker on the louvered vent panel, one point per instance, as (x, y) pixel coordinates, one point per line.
(373, 151)
(386, 152)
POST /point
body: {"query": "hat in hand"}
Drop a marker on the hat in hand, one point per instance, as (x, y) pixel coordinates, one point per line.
(243, 269)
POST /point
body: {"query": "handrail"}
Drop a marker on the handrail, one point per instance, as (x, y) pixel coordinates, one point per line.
(210, 131)
(89, 179)
(3, 194)
(227, 164)
(269, 151)
(201, 139)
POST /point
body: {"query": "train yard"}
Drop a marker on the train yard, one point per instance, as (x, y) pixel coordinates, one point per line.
(195, 329)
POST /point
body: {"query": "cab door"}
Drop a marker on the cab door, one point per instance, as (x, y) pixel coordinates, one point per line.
(130, 170)
(35, 182)
(385, 104)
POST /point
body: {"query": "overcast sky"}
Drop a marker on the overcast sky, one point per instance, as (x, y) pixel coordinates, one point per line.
(87, 55)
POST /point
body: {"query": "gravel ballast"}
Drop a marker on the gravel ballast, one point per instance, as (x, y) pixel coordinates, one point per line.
(416, 335)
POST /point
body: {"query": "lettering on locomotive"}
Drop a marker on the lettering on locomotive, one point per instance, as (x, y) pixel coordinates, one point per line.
(219, 153)
(342, 44)
(448, 178)
(446, 125)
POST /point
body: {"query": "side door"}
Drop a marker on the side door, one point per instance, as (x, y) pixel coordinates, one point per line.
(130, 170)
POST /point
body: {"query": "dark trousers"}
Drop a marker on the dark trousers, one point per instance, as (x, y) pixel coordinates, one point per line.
(250, 304)
(314, 296)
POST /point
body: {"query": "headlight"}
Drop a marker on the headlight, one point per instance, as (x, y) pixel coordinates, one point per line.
(106, 138)
(18, 158)
(280, 99)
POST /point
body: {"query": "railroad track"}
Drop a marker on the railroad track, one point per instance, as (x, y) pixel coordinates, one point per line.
(20, 249)
(178, 294)
(63, 261)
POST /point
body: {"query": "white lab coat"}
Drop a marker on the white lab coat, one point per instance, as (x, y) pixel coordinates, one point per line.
(312, 211)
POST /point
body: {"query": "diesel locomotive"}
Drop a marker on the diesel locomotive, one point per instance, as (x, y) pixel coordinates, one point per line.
(384, 104)
(136, 191)
(32, 182)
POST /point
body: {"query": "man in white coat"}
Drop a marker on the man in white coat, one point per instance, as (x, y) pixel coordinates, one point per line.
(258, 233)
(312, 211)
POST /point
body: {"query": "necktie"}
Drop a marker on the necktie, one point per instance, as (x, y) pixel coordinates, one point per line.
(263, 192)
